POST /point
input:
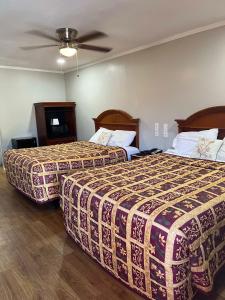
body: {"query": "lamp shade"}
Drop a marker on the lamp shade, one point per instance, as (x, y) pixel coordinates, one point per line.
(55, 122)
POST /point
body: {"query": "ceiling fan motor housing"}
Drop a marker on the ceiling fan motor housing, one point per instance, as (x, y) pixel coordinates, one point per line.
(67, 35)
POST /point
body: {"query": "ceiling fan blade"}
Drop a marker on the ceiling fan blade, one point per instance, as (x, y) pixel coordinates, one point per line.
(90, 36)
(37, 47)
(43, 34)
(94, 48)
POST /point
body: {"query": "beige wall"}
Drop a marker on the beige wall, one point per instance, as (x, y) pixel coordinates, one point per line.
(18, 91)
(159, 84)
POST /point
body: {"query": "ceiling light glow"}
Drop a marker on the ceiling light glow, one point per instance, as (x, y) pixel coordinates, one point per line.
(61, 61)
(68, 51)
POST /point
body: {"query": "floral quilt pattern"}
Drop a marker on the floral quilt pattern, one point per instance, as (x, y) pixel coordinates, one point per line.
(36, 171)
(156, 223)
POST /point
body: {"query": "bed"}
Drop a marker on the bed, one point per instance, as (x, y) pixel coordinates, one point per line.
(36, 171)
(157, 223)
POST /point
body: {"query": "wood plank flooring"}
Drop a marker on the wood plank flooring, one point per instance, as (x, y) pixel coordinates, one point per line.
(38, 260)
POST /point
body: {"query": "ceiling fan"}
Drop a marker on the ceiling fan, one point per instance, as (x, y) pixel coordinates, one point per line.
(68, 42)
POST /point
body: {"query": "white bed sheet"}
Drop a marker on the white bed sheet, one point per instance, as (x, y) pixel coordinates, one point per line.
(131, 150)
(173, 152)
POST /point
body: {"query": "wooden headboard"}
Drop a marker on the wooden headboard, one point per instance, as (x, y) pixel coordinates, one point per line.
(212, 117)
(118, 120)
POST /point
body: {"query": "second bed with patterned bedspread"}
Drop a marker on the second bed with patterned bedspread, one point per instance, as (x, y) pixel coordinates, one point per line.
(157, 223)
(36, 171)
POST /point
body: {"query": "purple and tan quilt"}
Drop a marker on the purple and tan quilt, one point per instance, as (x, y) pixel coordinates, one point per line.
(156, 223)
(36, 171)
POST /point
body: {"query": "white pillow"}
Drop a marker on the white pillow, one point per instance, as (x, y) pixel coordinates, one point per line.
(95, 137)
(122, 138)
(207, 149)
(103, 138)
(185, 146)
(209, 134)
(221, 153)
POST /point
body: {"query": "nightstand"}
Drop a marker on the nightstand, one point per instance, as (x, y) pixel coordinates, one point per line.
(145, 153)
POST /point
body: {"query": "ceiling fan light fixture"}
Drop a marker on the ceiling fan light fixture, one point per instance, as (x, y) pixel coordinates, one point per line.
(67, 50)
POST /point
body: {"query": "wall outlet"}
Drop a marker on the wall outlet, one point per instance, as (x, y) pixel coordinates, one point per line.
(165, 130)
(156, 129)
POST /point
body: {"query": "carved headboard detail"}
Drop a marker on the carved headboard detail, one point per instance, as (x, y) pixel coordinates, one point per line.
(118, 120)
(212, 117)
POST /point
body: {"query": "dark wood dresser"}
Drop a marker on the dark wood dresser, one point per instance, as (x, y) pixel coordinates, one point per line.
(56, 122)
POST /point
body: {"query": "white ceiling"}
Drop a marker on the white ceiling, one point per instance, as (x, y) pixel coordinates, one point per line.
(128, 23)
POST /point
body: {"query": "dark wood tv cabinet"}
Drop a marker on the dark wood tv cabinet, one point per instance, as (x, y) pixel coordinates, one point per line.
(56, 122)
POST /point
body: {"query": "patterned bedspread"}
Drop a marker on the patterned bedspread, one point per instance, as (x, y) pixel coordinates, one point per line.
(157, 223)
(36, 171)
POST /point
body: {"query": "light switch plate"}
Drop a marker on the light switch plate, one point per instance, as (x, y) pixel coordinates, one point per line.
(165, 130)
(156, 129)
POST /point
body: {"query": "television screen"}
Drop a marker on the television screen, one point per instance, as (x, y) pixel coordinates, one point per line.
(57, 123)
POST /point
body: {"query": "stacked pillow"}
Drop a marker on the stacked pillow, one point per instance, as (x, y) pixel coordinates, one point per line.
(200, 144)
(221, 153)
(120, 138)
(185, 142)
(207, 149)
(101, 137)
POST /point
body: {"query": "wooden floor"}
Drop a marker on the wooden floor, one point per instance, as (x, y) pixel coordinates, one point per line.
(39, 261)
